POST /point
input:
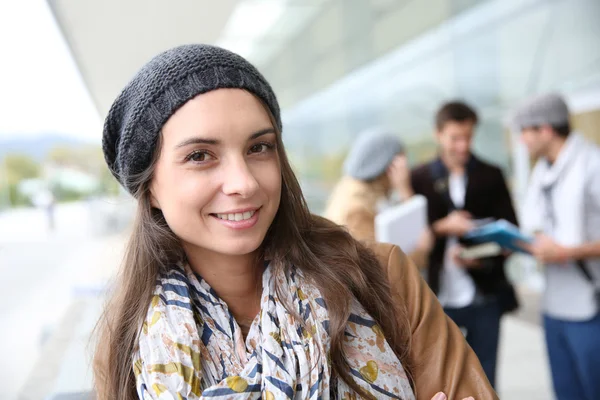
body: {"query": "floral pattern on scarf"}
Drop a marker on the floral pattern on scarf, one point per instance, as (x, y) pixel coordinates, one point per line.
(190, 346)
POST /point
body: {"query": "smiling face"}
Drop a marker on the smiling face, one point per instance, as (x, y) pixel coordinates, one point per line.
(455, 139)
(218, 178)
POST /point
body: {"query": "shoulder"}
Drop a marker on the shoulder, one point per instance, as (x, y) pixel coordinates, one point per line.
(421, 171)
(420, 177)
(592, 165)
(169, 309)
(593, 156)
(383, 252)
(169, 336)
(396, 264)
(489, 167)
(167, 329)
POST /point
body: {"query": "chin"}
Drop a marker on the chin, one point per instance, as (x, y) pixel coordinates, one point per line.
(463, 159)
(240, 247)
(536, 154)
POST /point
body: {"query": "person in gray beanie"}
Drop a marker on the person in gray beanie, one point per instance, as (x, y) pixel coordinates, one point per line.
(375, 175)
(562, 210)
(136, 117)
(230, 287)
(541, 119)
(372, 153)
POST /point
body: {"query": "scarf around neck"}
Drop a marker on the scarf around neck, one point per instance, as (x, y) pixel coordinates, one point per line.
(191, 347)
(564, 183)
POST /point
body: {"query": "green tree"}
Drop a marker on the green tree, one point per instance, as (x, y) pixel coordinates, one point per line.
(15, 168)
(18, 167)
(89, 159)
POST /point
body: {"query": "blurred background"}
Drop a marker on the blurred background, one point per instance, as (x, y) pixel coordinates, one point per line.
(337, 66)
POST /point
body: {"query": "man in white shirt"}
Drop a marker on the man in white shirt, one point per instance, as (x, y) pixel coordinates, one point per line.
(562, 208)
(461, 188)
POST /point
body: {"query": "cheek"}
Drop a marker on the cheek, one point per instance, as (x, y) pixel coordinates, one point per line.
(181, 193)
(269, 178)
(527, 141)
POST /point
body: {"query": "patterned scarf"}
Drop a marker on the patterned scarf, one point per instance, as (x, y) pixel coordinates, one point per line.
(190, 346)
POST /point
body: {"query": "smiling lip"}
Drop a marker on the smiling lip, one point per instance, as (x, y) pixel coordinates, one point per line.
(238, 219)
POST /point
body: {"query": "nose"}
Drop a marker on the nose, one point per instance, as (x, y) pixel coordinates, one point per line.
(239, 179)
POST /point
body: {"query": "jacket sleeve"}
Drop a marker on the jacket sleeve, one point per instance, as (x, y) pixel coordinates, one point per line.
(441, 358)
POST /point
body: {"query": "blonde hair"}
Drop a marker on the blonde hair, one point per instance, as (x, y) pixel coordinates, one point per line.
(351, 195)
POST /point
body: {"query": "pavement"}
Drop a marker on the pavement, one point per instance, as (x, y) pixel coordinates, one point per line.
(43, 271)
(60, 367)
(523, 372)
(63, 366)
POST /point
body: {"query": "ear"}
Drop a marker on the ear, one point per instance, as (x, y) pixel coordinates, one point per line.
(153, 200)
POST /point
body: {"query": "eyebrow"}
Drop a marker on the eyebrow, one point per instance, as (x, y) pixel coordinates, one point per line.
(200, 140)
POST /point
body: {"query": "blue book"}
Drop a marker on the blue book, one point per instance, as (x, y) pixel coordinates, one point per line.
(501, 232)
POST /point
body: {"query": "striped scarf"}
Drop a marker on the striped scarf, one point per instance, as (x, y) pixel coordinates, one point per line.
(190, 346)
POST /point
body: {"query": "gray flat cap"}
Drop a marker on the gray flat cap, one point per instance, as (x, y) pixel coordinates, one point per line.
(163, 85)
(372, 153)
(547, 109)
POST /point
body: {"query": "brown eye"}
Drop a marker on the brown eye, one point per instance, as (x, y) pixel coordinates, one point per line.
(258, 148)
(261, 148)
(199, 156)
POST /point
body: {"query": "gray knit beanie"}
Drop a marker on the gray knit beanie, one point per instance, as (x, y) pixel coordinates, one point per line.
(163, 85)
(547, 109)
(372, 153)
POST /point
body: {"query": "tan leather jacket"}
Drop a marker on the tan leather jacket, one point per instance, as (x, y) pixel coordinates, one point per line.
(441, 359)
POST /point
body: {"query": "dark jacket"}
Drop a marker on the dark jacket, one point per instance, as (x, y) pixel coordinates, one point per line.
(486, 196)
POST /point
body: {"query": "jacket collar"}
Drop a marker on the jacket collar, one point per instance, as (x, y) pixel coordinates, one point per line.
(441, 171)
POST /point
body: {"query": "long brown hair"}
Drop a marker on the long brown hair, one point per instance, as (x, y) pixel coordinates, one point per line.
(338, 265)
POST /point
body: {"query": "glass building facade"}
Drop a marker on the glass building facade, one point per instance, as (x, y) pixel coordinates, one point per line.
(340, 66)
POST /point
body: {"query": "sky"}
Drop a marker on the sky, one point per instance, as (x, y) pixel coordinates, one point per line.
(41, 90)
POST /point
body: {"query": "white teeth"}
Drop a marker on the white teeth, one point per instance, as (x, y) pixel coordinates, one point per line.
(236, 216)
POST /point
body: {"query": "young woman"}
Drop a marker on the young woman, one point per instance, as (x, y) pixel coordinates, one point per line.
(375, 170)
(230, 288)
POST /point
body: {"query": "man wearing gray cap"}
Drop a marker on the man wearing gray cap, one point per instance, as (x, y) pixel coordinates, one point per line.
(562, 209)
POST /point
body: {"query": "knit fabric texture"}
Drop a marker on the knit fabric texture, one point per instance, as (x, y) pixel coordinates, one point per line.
(547, 109)
(372, 153)
(163, 85)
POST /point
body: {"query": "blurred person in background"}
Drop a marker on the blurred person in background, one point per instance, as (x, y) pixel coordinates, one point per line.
(376, 175)
(230, 287)
(562, 207)
(461, 188)
(44, 199)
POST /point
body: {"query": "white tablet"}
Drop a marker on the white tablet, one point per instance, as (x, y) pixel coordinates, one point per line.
(402, 224)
